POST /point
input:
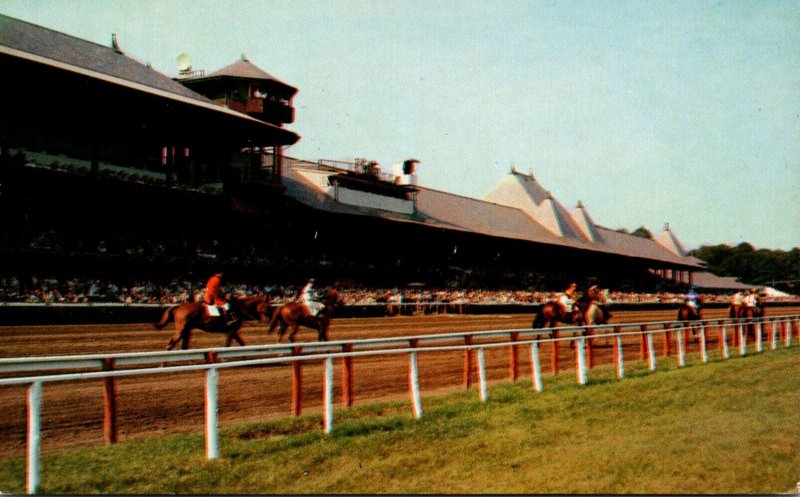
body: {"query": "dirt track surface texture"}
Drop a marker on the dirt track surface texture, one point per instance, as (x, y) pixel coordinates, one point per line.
(72, 412)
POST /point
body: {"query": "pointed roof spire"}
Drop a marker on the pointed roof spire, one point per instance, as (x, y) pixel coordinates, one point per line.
(585, 222)
(115, 44)
(669, 241)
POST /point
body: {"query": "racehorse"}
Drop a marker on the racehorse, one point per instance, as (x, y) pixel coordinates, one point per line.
(194, 315)
(687, 312)
(748, 313)
(552, 313)
(296, 314)
(595, 307)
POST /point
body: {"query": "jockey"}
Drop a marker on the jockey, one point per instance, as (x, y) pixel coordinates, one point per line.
(738, 298)
(308, 296)
(751, 299)
(693, 299)
(567, 299)
(216, 296)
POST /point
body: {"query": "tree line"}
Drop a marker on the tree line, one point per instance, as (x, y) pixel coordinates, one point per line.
(775, 268)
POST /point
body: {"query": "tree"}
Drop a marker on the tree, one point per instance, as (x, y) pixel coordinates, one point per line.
(643, 232)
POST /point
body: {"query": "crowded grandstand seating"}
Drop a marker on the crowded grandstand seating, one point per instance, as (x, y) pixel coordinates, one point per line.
(118, 242)
(52, 290)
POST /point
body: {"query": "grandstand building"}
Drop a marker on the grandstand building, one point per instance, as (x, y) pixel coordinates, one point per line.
(108, 165)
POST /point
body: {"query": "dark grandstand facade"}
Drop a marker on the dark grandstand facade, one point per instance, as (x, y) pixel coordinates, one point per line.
(113, 170)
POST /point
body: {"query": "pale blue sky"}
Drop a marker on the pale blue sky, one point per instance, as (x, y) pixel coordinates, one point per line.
(685, 112)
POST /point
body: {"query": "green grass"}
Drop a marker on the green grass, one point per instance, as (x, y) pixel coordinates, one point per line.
(725, 427)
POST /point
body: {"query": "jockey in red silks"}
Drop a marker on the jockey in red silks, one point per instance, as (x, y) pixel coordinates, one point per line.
(215, 295)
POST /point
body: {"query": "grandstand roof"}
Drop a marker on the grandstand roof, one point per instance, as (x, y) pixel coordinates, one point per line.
(710, 281)
(668, 240)
(586, 223)
(518, 217)
(110, 64)
(245, 69)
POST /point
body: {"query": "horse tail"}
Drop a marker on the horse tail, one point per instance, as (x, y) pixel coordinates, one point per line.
(539, 319)
(168, 315)
(276, 316)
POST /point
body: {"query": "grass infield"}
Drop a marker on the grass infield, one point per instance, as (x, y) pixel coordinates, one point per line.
(725, 427)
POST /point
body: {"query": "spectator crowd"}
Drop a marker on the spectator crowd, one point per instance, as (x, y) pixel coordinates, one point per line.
(50, 290)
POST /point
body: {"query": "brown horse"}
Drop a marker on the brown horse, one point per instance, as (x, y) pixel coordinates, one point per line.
(295, 314)
(687, 312)
(552, 313)
(750, 312)
(194, 315)
(595, 311)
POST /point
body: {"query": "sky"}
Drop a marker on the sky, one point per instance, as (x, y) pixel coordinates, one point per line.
(649, 112)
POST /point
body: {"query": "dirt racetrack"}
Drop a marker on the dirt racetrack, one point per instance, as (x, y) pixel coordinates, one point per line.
(72, 412)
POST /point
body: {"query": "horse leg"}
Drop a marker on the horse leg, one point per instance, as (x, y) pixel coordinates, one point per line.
(186, 335)
(234, 335)
(175, 338)
(295, 329)
(282, 330)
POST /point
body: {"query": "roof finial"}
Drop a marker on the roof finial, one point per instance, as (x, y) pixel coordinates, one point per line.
(580, 204)
(666, 227)
(244, 58)
(532, 176)
(115, 44)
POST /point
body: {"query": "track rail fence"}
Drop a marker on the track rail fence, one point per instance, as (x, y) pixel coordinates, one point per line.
(108, 367)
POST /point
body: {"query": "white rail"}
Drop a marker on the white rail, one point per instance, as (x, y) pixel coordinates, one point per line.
(329, 351)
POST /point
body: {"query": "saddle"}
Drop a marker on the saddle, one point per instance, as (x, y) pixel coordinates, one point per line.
(216, 311)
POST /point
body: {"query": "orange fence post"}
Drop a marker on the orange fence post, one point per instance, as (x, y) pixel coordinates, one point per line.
(514, 357)
(347, 377)
(110, 432)
(617, 350)
(297, 384)
(667, 340)
(468, 363)
(589, 347)
(643, 344)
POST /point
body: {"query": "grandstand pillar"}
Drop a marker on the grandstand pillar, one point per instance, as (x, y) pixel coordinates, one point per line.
(277, 162)
(514, 357)
(691, 278)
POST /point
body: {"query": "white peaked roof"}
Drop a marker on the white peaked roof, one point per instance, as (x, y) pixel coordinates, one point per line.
(523, 192)
(669, 241)
(586, 223)
(509, 211)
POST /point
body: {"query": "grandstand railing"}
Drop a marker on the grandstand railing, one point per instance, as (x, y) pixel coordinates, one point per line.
(471, 343)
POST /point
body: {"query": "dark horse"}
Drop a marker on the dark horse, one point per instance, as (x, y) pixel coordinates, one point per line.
(750, 312)
(191, 315)
(687, 312)
(589, 309)
(295, 314)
